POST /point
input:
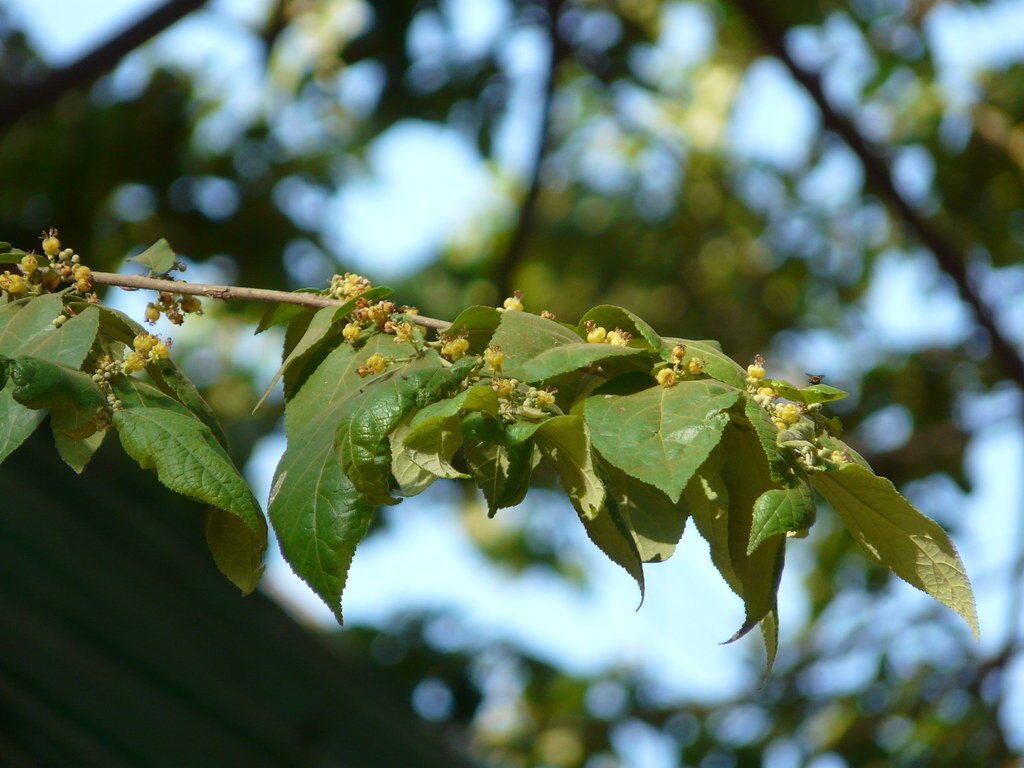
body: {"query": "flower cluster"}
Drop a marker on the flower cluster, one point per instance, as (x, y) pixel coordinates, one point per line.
(375, 363)
(517, 402)
(514, 303)
(598, 335)
(454, 347)
(367, 312)
(45, 273)
(494, 357)
(681, 367)
(348, 286)
(173, 307)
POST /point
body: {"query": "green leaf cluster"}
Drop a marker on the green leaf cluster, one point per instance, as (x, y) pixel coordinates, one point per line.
(52, 348)
(643, 433)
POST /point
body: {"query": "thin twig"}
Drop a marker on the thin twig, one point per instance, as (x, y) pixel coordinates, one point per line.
(25, 98)
(949, 256)
(234, 292)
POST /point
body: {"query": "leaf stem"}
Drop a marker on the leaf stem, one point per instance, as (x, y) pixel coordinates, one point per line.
(233, 292)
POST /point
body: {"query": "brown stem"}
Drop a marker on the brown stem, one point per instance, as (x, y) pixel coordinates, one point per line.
(228, 292)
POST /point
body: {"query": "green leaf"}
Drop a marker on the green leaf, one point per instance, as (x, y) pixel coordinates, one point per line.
(655, 523)
(320, 327)
(896, 535)
(537, 349)
(435, 433)
(159, 257)
(768, 436)
(412, 479)
(717, 364)
(478, 324)
(477, 399)
(361, 443)
(610, 317)
(180, 386)
(74, 401)
(236, 548)
(40, 384)
(75, 451)
(720, 498)
(318, 515)
(707, 499)
(295, 330)
(27, 330)
(432, 444)
(279, 314)
(564, 441)
(835, 444)
(116, 325)
(499, 467)
(818, 393)
(780, 510)
(661, 435)
(746, 475)
(769, 627)
(611, 535)
(161, 434)
(316, 329)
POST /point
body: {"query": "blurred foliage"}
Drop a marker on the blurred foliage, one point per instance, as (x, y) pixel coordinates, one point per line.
(645, 198)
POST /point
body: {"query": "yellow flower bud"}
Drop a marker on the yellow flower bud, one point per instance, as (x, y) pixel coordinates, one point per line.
(666, 377)
(543, 399)
(597, 335)
(351, 332)
(152, 313)
(547, 315)
(159, 351)
(617, 337)
(404, 332)
(503, 387)
(191, 304)
(455, 349)
(51, 279)
(134, 362)
(144, 342)
(696, 366)
(29, 263)
(766, 392)
(788, 413)
(13, 283)
(377, 363)
(51, 245)
(494, 357)
(678, 353)
(514, 304)
(755, 371)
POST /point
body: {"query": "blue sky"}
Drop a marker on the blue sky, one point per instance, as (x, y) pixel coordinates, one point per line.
(422, 183)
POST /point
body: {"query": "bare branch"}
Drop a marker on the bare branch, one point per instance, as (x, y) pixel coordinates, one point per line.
(29, 97)
(233, 292)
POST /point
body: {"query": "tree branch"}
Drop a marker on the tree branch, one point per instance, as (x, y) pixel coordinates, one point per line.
(231, 292)
(26, 98)
(516, 249)
(949, 256)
